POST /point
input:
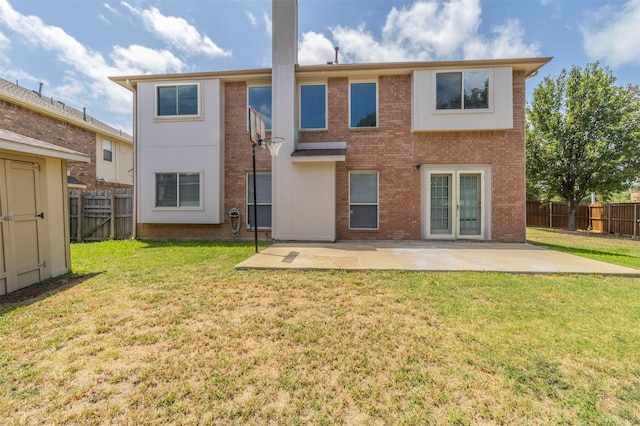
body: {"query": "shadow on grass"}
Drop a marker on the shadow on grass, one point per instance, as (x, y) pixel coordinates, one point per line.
(603, 255)
(42, 290)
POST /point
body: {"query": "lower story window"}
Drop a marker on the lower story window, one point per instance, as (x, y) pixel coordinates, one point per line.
(178, 190)
(363, 199)
(263, 196)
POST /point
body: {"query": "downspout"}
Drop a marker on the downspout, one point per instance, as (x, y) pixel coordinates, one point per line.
(134, 198)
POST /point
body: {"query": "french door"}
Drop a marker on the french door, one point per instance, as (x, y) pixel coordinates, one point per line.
(454, 204)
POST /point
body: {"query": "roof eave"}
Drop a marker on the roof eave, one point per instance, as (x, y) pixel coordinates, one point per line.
(530, 66)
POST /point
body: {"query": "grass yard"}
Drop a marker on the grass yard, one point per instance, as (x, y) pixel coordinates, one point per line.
(170, 333)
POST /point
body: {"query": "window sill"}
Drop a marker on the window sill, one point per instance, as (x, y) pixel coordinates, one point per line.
(314, 130)
(177, 209)
(175, 118)
(463, 111)
(363, 129)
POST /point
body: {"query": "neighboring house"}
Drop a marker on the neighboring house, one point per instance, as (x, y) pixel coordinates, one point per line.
(34, 224)
(402, 151)
(29, 113)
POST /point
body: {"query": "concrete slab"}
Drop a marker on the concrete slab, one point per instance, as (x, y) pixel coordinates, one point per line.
(428, 256)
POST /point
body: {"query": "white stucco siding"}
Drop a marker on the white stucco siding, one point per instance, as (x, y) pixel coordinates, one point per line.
(315, 212)
(499, 115)
(181, 145)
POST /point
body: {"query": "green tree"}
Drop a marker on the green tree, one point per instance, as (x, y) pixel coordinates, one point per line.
(583, 136)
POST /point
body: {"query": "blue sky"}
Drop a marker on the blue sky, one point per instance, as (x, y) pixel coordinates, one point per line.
(72, 46)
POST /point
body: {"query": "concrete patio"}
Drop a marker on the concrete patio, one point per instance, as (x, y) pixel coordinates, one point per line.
(427, 256)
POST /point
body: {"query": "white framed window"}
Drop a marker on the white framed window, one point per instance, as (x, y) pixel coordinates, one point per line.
(363, 104)
(363, 199)
(259, 97)
(463, 90)
(313, 106)
(263, 198)
(107, 150)
(178, 100)
(182, 190)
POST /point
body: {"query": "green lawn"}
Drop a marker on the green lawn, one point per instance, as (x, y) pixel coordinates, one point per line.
(170, 333)
(607, 248)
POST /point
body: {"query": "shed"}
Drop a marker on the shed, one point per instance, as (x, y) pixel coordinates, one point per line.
(34, 225)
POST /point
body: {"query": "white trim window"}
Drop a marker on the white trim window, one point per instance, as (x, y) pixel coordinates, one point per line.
(259, 97)
(178, 100)
(263, 195)
(178, 190)
(107, 150)
(463, 90)
(363, 199)
(363, 104)
(313, 106)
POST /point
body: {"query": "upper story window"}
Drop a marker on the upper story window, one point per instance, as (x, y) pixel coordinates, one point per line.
(177, 100)
(462, 90)
(259, 97)
(363, 104)
(107, 150)
(178, 190)
(313, 106)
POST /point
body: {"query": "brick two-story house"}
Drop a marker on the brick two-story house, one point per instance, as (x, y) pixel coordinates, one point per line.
(29, 113)
(414, 150)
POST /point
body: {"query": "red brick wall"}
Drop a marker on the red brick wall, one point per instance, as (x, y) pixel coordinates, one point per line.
(392, 150)
(18, 119)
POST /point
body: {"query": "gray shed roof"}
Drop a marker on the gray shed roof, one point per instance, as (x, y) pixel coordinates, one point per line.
(18, 143)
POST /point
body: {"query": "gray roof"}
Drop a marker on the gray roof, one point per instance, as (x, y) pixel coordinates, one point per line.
(77, 117)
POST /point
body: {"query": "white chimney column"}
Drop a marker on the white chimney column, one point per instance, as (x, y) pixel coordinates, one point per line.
(283, 89)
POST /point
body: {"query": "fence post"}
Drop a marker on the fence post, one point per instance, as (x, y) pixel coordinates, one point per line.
(112, 224)
(589, 222)
(609, 219)
(635, 221)
(80, 215)
(550, 214)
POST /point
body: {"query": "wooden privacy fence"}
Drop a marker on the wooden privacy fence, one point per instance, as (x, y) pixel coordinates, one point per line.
(620, 219)
(100, 215)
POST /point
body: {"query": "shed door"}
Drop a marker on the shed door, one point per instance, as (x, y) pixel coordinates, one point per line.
(22, 215)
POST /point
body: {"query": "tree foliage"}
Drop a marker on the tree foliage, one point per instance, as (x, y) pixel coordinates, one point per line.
(583, 136)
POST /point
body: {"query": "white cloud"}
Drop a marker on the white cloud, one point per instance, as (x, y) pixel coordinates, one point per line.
(111, 9)
(178, 33)
(315, 49)
(611, 35)
(151, 60)
(426, 30)
(252, 18)
(87, 71)
(507, 43)
(5, 43)
(267, 22)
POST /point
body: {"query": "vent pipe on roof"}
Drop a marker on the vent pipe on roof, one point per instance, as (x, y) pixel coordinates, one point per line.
(336, 49)
(40, 89)
(84, 113)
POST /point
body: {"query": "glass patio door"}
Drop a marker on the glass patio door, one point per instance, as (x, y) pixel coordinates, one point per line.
(454, 204)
